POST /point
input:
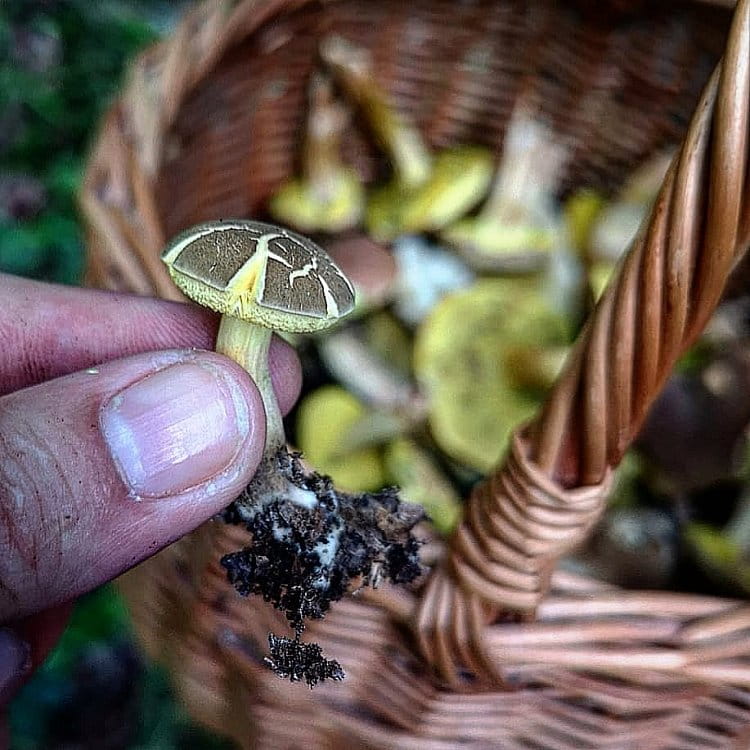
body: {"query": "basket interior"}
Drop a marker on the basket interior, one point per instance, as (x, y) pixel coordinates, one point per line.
(615, 85)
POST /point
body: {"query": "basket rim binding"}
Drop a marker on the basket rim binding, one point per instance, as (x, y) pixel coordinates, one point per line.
(552, 488)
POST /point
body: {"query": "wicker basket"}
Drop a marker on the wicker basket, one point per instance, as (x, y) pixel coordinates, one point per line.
(494, 651)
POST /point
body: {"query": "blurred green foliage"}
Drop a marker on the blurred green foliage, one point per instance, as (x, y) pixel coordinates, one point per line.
(61, 62)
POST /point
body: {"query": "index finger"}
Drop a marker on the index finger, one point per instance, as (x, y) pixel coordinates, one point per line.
(48, 330)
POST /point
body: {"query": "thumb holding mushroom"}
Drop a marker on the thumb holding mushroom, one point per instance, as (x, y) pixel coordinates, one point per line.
(260, 278)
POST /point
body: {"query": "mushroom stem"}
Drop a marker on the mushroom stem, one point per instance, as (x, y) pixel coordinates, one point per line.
(329, 195)
(247, 344)
(528, 174)
(352, 67)
(321, 155)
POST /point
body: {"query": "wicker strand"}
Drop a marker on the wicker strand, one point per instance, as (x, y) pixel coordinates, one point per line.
(555, 481)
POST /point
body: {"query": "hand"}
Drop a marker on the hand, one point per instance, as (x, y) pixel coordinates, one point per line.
(115, 440)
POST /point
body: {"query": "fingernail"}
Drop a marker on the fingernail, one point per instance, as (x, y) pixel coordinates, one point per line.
(176, 428)
(15, 662)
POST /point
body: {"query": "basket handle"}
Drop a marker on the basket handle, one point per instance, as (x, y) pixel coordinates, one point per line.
(554, 482)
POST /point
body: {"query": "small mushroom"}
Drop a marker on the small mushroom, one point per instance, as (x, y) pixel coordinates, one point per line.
(461, 367)
(459, 179)
(329, 197)
(323, 418)
(309, 541)
(261, 278)
(352, 68)
(425, 194)
(369, 266)
(516, 229)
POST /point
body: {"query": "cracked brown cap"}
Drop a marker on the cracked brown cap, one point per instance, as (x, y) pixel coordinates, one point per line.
(260, 273)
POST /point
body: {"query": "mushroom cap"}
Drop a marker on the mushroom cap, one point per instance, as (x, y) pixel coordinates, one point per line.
(260, 273)
(460, 177)
(300, 203)
(460, 365)
(323, 422)
(492, 246)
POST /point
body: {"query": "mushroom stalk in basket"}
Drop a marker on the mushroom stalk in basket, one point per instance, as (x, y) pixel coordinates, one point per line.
(329, 197)
(516, 227)
(402, 142)
(425, 193)
(310, 542)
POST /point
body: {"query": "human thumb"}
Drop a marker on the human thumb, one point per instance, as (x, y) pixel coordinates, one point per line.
(102, 468)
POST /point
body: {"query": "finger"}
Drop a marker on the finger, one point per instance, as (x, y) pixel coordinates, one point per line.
(100, 469)
(48, 330)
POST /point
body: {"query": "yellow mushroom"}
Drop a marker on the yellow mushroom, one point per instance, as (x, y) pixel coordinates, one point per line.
(261, 278)
(517, 227)
(425, 193)
(323, 419)
(329, 196)
(461, 365)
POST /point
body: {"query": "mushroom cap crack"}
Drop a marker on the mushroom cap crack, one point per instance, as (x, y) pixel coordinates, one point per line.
(260, 273)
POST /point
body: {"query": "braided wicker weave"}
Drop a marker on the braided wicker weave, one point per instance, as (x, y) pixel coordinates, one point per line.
(495, 650)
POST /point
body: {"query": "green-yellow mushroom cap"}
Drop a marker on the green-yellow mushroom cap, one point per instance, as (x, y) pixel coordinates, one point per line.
(323, 419)
(458, 180)
(460, 364)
